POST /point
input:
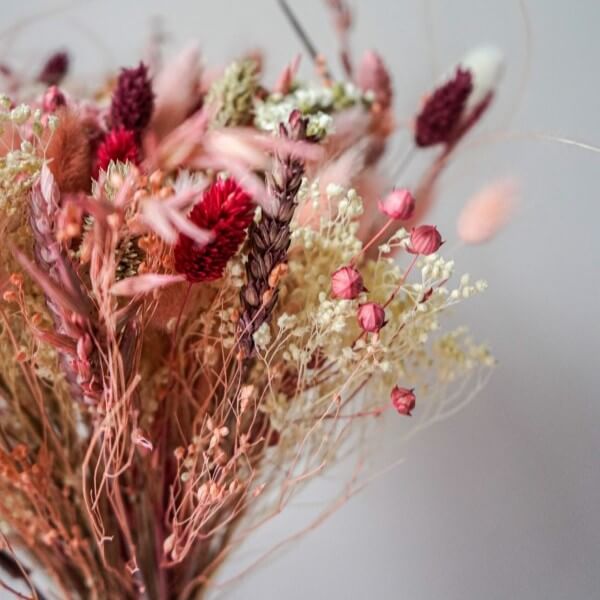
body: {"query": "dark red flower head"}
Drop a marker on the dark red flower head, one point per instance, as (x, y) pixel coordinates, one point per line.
(441, 114)
(133, 100)
(118, 145)
(55, 69)
(226, 210)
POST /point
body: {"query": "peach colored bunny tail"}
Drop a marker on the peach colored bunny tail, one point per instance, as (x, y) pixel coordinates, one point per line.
(487, 212)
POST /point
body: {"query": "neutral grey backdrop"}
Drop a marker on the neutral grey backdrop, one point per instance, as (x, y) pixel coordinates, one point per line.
(501, 501)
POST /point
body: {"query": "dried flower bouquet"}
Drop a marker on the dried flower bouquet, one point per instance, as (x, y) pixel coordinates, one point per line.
(209, 288)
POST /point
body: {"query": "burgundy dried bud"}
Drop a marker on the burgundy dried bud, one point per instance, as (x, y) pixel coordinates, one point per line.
(403, 400)
(133, 100)
(346, 283)
(442, 111)
(371, 317)
(373, 76)
(424, 239)
(398, 204)
(55, 69)
(53, 99)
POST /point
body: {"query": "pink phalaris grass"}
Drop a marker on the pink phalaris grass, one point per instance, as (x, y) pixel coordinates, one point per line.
(133, 100)
(287, 76)
(403, 400)
(119, 145)
(55, 69)
(487, 212)
(371, 317)
(398, 204)
(425, 240)
(226, 210)
(177, 89)
(347, 283)
(372, 75)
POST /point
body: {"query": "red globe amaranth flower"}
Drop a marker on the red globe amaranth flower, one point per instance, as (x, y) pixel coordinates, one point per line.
(398, 204)
(55, 69)
(441, 113)
(225, 209)
(346, 283)
(403, 400)
(53, 99)
(133, 100)
(118, 145)
(371, 317)
(424, 239)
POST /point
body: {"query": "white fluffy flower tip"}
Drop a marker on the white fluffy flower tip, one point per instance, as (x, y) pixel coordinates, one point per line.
(486, 64)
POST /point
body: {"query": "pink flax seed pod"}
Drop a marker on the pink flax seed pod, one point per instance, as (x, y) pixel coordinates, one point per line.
(487, 212)
(371, 317)
(403, 400)
(346, 283)
(424, 239)
(398, 204)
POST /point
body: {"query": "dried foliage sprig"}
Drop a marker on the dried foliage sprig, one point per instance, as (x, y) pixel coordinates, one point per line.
(269, 238)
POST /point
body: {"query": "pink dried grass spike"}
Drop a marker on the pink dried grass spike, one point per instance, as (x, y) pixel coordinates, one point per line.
(177, 90)
(287, 76)
(487, 212)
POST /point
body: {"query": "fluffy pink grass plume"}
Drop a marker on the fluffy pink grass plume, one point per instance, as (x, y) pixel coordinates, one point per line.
(374, 76)
(371, 317)
(176, 90)
(425, 240)
(347, 283)
(287, 76)
(487, 212)
(403, 400)
(398, 204)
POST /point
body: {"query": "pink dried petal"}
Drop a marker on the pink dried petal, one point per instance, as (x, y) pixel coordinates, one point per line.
(142, 284)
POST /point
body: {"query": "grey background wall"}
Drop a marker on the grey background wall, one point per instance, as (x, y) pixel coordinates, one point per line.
(501, 501)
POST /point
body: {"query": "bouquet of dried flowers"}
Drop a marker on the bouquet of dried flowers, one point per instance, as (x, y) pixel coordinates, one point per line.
(209, 289)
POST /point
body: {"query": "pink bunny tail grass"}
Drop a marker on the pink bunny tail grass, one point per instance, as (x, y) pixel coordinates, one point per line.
(487, 212)
(177, 91)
